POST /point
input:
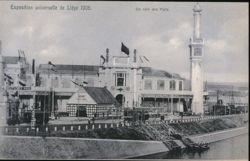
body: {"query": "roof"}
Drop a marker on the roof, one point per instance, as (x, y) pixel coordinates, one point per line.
(101, 95)
(93, 69)
(11, 59)
(69, 69)
(148, 71)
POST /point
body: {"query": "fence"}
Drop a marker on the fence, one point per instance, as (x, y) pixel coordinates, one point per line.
(49, 129)
(196, 119)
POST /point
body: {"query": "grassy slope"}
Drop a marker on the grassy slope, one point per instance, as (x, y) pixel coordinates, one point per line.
(156, 132)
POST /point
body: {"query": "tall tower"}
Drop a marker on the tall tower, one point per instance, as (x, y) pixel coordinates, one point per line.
(196, 66)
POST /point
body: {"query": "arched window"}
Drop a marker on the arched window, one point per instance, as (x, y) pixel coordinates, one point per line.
(160, 85)
(180, 85)
(172, 85)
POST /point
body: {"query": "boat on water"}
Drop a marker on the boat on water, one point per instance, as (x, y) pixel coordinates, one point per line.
(195, 146)
(172, 146)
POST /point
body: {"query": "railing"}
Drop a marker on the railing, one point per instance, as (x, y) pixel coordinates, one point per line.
(50, 130)
(195, 119)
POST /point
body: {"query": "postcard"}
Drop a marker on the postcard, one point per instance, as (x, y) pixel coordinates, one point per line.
(124, 80)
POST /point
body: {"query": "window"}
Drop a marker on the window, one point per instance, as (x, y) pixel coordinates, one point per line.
(160, 85)
(120, 79)
(172, 85)
(66, 83)
(180, 85)
(43, 82)
(148, 84)
(197, 51)
(55, 82)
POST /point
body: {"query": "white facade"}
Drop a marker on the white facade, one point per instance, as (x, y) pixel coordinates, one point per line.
(196, 65)
(143, 86)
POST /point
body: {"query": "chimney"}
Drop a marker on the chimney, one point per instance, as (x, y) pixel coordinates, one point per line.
(107, 55)
(135, 55)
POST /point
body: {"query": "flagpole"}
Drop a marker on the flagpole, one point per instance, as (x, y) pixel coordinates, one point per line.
(100, 62)
(33, 118)
(172, 98)
(72, 70)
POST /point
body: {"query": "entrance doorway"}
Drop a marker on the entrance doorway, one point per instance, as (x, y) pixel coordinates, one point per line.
(81, 111)
(121, 99)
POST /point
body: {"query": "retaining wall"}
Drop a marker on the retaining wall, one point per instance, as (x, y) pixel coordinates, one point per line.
(219, 135)
(25, 147)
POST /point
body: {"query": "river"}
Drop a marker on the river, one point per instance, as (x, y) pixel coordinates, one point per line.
(232, 148)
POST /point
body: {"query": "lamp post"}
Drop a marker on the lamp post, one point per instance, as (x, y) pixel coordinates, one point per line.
(52, 92)
(33, 114)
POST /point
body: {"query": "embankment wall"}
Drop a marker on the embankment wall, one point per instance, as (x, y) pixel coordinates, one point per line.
(219, 135)
(25, 147)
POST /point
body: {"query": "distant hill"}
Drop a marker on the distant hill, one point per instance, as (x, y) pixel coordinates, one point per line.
(225, 86)
(240, 86)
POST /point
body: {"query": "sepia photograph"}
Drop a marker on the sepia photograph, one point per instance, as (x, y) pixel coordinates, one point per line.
(124, 80)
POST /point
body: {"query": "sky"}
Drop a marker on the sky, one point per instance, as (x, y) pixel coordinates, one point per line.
(80, 37)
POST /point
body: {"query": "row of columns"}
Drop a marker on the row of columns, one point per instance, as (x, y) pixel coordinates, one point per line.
(170, 102)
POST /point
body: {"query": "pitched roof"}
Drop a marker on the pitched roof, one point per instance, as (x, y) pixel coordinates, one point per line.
(148, 71)
(11, 59)
(70, 69)
(101, 95)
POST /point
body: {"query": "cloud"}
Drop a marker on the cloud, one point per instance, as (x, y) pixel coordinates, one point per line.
(163, 37)
(216, 46)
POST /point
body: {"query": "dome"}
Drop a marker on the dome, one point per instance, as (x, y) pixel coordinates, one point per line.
(197, 8)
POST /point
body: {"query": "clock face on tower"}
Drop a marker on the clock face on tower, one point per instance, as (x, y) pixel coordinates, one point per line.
(197, 52)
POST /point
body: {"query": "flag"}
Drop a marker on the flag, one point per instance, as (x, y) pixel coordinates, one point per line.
(10, 81)
(102, 57)
(146, 58)
(9, 77)
(125, 49)
(22, 84)
(76, 83)
(53, 70)
(84, 82)
(51, 64)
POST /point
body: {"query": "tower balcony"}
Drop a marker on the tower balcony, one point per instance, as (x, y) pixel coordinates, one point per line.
(198, 41)
(167, 94)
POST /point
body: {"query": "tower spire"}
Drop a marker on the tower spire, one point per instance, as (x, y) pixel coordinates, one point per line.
(196, 65)
(197, 21)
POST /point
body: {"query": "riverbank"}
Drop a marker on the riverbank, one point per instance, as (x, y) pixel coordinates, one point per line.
(233, 148)
(27, 147)
(118, 142)
(158, 132)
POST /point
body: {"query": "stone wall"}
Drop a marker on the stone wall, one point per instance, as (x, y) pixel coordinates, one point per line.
(20, 147)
